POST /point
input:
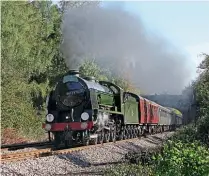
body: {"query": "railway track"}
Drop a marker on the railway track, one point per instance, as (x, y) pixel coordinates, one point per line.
(25, 145)
(11, 157)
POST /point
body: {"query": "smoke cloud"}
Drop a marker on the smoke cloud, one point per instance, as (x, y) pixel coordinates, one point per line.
(119, 42)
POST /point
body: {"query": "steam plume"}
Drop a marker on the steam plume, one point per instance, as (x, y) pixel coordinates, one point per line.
(118, 41)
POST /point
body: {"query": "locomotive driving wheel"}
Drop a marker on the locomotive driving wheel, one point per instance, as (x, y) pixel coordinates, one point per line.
(135, 131)
(85, 142)
(57, 139)
(94, 141)
(128, 133)
(125, 136)
(85, 139)
(113, 135)
(139, 132)
(101, 137)
(132, 132)
(107, 136)
(68, 143)
(122, 134)
(113, 132)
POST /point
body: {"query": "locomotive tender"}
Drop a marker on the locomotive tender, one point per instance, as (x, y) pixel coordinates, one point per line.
(82, 110)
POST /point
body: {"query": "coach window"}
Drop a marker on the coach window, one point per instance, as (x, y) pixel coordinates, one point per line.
(106, 89)
(114, 89)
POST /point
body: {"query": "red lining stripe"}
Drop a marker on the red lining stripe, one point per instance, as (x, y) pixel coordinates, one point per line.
(72, 125)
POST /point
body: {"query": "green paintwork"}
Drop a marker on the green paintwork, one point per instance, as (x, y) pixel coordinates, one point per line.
(106, 99)
(112, 101)
(131, 113)
(117, 93)
(111, 112)
(127, 108)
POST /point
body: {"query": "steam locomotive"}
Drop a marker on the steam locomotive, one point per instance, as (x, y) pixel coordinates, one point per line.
(83, 110)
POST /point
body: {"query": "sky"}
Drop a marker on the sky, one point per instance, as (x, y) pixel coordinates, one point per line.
(184, 25)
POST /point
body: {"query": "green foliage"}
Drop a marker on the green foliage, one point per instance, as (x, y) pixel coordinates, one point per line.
(183, 159)
(202, 86)
(90, 68)
(182, 155)
(17, 108)
(142, 157)
(203, 129)
(26, 42)
(125, 84)
(202, 94)
(186, 134)
(129, 169)
(175, 158)
(30, 50)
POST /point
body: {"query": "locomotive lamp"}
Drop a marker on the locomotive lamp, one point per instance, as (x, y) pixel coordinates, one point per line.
(48, 127)
(84, 125)
(84, 116)
(49, 117)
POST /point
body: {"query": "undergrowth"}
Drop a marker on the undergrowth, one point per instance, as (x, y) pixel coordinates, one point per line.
(182, 155)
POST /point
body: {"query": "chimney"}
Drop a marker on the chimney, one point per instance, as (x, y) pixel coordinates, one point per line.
(90, 78)
(74, 72)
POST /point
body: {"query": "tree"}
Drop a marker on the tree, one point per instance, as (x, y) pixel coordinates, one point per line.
(90, 68)
(202, 94)
(202, 86)
(30, 46)
(65, 5)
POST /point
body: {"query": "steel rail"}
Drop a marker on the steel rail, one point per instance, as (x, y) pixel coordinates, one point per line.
(49, 152)
(24, 145)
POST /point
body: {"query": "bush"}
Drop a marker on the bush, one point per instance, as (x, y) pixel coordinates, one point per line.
(203, 129)
(186, 134)
(174, 158)
(143, 157)
(129, 169)
(180, 158)
(17, 108)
